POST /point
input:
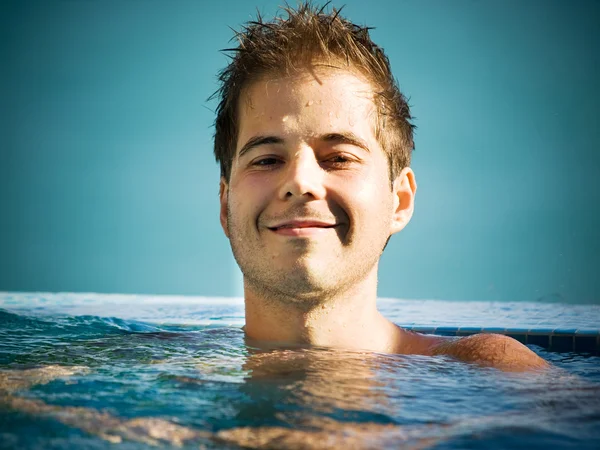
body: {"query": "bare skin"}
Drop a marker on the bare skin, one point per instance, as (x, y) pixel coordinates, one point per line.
(308, 209)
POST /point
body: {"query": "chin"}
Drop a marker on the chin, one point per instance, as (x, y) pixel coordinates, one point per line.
(307, 282)
(303, 279)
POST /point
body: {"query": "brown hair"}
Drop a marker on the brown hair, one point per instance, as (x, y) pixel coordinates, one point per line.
(284, 45)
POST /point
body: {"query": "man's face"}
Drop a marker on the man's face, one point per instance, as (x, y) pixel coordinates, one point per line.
(308, 207)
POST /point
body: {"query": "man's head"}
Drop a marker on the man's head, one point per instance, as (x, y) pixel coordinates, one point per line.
(309, 37)
(309, 144)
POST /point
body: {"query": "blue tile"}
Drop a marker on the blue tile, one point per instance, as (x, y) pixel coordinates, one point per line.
(426, 330)
(517, 330)
(586, 344)
(541, 331)
(587, 332)
(565, 331)
(562, 343)
(541, 340)
(466, 333)
(496, 330)
(446, 331)
(470, 330)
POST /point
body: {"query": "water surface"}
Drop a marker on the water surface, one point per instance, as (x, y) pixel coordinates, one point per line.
(92, 371)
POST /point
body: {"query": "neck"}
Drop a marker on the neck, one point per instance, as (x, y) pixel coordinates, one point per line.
(350, 320)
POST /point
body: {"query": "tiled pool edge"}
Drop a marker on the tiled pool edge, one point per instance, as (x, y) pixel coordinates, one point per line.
(557, 339)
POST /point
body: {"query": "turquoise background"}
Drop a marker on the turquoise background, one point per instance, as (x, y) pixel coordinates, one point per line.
(108, 183)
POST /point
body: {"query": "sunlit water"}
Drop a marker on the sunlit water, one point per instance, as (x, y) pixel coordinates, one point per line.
(95, 371)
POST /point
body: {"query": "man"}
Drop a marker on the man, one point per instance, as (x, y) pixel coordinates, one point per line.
(314, 142)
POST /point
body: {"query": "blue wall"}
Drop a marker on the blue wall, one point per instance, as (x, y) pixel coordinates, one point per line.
(108, 184)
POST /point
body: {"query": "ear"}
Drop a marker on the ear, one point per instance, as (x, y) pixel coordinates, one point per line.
(404, 190)
(223, 201)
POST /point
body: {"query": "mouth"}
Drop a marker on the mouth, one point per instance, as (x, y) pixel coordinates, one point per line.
(302, 228)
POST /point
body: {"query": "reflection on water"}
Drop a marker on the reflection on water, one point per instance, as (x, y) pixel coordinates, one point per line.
(326, 380)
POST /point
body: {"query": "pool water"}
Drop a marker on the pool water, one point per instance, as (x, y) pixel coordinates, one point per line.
(95, 371)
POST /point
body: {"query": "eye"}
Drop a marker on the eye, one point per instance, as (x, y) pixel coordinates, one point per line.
(265, 161)
(338, 161)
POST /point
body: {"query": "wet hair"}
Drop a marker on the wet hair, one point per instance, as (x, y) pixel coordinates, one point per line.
(307, 36)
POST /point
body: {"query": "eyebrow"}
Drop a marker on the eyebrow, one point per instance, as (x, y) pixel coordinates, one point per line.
(345, 137)
(259, 140)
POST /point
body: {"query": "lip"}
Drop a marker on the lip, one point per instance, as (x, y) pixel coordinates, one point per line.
(301, 227)
(303, 223)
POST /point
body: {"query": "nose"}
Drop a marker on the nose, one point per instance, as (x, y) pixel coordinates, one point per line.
(303, 176)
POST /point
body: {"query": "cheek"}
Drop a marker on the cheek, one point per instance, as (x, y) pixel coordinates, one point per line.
(374, 199)
(247, 199)
(366, 200)
(372, 187)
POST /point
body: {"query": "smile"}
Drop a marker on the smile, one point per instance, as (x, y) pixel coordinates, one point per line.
(302, 228)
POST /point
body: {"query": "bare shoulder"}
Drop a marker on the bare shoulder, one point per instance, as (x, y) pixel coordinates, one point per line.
(493, 350)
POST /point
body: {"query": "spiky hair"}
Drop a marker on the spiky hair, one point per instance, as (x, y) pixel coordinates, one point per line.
(294, 40)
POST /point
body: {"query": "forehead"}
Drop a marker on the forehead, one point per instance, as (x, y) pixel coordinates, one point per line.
(310, 102)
